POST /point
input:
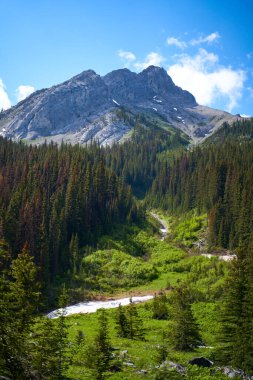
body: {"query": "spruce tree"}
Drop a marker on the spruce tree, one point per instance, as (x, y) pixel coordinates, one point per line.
(98, 354)
(160, 308)
(237, 312)
(122, 323)
(185, 332)
(135, 324)
(19, 302)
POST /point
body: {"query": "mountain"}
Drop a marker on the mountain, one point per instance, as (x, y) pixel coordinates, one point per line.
(106, 108)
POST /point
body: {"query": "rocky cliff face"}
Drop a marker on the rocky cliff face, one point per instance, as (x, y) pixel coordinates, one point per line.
(87, 107)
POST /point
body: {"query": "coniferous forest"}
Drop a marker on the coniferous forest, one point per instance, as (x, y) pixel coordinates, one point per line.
(75, 223)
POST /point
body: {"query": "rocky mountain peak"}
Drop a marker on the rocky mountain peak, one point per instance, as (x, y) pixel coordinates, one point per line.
(85, 107)
(84, 76)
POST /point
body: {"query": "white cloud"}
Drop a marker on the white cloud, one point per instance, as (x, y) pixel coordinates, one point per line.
(152, 59)
(245, 116)
(126, 56)
(207, 80)
(250, 89)
(176, 42)
(23, 91)
(4, 98)
(207, 39)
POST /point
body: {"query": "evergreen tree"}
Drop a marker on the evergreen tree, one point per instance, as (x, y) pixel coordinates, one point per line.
(160, 308)
(74, 253)
(60, 336)
(98, 354)
(236, 336)
(122, 323)
(19, 302)
(185, 333)
(135, 325)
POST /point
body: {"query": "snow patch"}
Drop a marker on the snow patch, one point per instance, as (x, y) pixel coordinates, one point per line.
(245, 116)
(157, 100)
(93, 306)
(175, 108)
(179, 117)
(155, 109)
(114, 101)
(3, 129)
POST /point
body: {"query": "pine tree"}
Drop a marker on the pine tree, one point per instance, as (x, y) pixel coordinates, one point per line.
(25, 287)
(19, 301)
(122, 324)
(74, 253)
(98, 354)
(60, 336)
(185, 333)
(160, 308)
(135, 324)
(237, 312)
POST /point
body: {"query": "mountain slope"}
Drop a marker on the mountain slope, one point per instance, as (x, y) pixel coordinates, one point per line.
(86, 107)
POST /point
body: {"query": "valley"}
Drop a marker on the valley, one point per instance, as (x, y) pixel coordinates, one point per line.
(149, 219)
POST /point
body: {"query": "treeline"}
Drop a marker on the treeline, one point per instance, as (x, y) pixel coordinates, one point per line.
(216, 178)
(239, 131)
(58, 199)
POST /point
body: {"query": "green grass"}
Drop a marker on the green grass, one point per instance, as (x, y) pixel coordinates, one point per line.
(187, 228)
(133, 260)
(143, 354)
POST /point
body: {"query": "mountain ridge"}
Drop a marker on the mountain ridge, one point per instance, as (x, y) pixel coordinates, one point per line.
(84, 108)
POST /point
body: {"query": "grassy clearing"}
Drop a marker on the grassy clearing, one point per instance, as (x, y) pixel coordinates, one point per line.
(133, 260)
(130, 259)
(143, 354)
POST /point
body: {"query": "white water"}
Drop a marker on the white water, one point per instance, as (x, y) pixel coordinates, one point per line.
(93, 306)
(164, 230)
(221, 257)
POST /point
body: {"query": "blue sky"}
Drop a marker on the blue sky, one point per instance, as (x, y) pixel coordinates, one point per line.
(206, 46)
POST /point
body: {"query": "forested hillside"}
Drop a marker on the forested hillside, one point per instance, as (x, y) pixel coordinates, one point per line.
(58, 199)
(81, 216)
(216, 178)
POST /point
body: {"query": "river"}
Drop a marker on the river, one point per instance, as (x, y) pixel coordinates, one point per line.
(92, 306)
(164, 229)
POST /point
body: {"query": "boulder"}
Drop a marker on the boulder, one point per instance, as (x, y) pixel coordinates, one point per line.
(178, 367)
(201, 362)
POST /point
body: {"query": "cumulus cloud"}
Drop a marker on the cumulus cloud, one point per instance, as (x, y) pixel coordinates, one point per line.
(207, 80)
(176, 42)
(23, 91)
(4, 98)
(127, 56)
(206, 39)
(250, 89)
(152, 58)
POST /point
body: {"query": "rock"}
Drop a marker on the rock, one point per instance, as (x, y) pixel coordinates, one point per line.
(90, 107)
(129, 364)
(123, 353)
(142, 372)
(201, 362)
(178, 367)
(232, 373)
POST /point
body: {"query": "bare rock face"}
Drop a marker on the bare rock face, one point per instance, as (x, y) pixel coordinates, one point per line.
(85, 107)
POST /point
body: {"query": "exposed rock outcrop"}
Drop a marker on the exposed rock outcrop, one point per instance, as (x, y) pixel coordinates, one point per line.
(86, 107)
